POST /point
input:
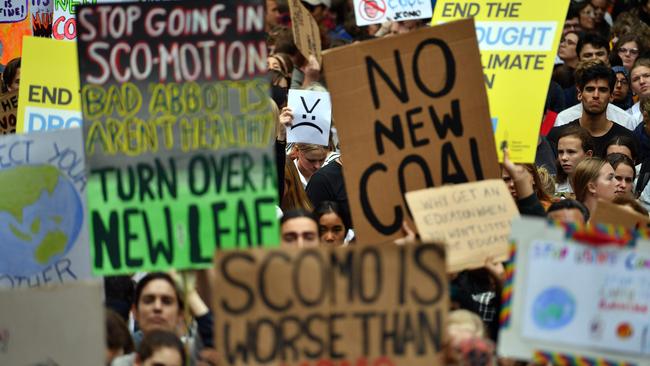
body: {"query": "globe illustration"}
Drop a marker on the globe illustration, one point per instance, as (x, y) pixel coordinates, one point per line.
(40, 218)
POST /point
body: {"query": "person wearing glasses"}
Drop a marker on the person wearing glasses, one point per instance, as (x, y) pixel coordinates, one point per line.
(628, 48)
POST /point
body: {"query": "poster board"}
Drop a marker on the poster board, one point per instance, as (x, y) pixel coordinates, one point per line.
(315, 305)
(368, 12)
(62, 325)
(406, 124)
(49, 86)
(613, 214)
(43, 219)
(8, 112)
(306, 33)
(472, 219)
(570, 301)
(312, 117)
(193, 127)
(518, 42)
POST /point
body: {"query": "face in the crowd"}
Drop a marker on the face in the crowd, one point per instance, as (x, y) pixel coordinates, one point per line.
(299, 232)
(640, 77)
(589, 52)
(15, 83)
(628, 53)
(567, 50)
(511, 183)
(331, 228)
(567, 215)
(570, 153)
(594, 97)
(272, 13)
(273, 63)
(600, 7)
(621, 88)
(604, 187)
(163, 356)
(310, 161)
(588, 18)
(571, 24)
(158, 307)
(624, 175)
(621, 149)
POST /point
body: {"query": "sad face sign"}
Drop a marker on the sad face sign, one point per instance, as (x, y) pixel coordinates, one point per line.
(312, 117)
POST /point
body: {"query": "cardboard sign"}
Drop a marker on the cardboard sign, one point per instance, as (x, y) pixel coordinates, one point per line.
(48, 100)
(312, 117)
(13, 11)
(378, 11)
(406, 124)
(306, 33)
(613, 214)
(370, 305)
(567, 300)
(62, 325)
(518, 42)
(43, 222)
(8, 111)
(472, 219)
(179, 131)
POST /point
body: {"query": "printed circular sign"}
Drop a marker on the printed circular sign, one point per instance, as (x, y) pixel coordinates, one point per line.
(371, 10)
(553, 308)
(624, 330)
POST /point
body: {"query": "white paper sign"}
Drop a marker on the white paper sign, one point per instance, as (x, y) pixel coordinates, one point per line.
(312, 117)
(378, 11)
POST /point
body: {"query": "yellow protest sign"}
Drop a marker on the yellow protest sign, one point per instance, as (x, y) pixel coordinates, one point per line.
(48, 97)
(518, 42)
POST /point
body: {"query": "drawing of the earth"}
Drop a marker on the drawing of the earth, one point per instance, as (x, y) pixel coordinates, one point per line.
(40, 218)
(553, 308)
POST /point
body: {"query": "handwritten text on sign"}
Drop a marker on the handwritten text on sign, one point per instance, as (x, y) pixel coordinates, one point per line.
(370, 305)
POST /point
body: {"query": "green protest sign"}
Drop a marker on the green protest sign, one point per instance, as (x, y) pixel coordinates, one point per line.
(179, 130)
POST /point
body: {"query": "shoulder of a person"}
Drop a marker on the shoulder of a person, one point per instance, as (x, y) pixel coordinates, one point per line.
(125, 360)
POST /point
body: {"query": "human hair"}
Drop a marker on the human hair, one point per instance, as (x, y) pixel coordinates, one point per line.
(548, 183)
(157, 339)
(594, 39)
(10, 71)
(117, 333)
(597, 71)
(573, 12)
(283, 41)
(641, 61)
(631, 37)
(616, 159)
(309, 147)
(540, 192)
(629, 201)
(624, 140)
(295, 196)
(326, 207)
(568, 204)
(158, 276)
(298, 213)
(586, 142)
(587, 171)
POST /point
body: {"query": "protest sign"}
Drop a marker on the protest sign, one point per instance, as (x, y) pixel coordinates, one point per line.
(613, 214)
(378, 11)
(49, 86)
(62, 325)
(306, 33)
(408, 125)
(472, 219)
(11, 37)
(42, 13)
(518, 42)
(364, 305)
(312, 117)
(13, 11)
(570, 301)
(64, 25)
(179, 132)
(43, 222)
(8, 111)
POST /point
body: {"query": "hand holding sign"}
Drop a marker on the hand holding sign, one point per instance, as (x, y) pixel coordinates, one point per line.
(312, 117)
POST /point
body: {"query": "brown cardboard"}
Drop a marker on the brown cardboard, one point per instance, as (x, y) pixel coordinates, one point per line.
(402, 287)
(425, 157)
(613, 214)
(472, 219)
(8, 112)
(306, 33)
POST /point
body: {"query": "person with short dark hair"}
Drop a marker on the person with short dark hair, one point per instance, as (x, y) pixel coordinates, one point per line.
(624, 173)
(299, 228)
(161, 348)
(118, 338)
(568, 211)
(593, 46)
(11, 76)
(331, 228)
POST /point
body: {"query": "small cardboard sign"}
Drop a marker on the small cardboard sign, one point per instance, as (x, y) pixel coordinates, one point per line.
(473, 219)
(362, 305)
(369, 12)
(613, 214)
(8, 112)
(61, 325)
(306, 33)
(312, 117)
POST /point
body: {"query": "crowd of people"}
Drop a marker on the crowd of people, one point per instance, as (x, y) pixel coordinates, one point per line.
(597, 149)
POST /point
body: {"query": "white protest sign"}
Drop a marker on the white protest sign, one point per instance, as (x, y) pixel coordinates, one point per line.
(378, 11)
(43, 223)
(312, 117)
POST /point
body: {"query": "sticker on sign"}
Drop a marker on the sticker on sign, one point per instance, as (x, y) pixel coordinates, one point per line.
(378, 11)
